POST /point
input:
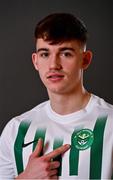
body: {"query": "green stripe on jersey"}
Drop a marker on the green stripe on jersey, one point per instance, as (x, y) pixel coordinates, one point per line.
(23, 127)
(97, 148)
(40, 133)
(58, 143)
(74, 156)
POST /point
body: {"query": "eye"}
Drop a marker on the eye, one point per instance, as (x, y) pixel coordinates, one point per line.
(43, 54)
(66, 54)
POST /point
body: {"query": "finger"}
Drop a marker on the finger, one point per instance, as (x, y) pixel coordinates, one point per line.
(57, 152)
(54, 165)
(54, 177)
(38, 148)
(53, 172)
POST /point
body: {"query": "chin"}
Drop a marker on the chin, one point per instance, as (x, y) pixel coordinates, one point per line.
(55, 90)
(60, 91)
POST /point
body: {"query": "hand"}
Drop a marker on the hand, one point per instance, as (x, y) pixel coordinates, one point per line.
(42, 167)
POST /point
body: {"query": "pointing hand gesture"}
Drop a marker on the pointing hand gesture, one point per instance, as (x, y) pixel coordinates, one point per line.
(42, 167)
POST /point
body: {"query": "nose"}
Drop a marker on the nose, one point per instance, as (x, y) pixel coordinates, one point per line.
(55, 63)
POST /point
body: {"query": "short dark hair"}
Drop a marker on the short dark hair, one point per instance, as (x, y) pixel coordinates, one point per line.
(60, 27)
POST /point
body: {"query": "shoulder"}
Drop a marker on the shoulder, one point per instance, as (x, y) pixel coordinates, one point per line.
(37, 109)
(102, 105)
(25, 118)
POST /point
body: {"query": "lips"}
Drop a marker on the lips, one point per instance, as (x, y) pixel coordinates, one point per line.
(55, 76)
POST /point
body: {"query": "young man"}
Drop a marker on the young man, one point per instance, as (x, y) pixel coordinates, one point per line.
(71, 135)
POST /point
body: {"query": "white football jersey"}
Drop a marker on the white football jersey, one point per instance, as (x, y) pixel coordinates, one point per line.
(88, 131)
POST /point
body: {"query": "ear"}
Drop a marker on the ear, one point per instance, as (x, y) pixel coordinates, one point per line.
(35, 60)
(87, 57)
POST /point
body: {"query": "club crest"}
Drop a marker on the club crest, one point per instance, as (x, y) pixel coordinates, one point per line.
(83, 139)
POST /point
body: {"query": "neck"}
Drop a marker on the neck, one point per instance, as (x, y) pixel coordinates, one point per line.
(67, 104)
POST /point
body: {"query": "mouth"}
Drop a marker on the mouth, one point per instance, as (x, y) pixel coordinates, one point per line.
(55, 76)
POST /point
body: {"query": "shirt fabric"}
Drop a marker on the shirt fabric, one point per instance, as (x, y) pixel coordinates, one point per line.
(88, 131)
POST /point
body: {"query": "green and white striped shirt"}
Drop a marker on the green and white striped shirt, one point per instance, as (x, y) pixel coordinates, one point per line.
(89, 131)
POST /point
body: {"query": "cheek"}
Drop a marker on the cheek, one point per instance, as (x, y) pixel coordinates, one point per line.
(41, 72)
(42, 69)
(71, 67)
(75, 72)
(42, 76)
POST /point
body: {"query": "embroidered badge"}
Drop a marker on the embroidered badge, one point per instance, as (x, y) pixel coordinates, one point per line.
(83, 139)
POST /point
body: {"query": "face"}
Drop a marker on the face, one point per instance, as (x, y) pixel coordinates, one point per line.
(61, 66)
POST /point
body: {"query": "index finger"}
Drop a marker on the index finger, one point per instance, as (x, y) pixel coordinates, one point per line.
(57, 152)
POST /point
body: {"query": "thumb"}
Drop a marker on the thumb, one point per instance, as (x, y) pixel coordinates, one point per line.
(38, 148)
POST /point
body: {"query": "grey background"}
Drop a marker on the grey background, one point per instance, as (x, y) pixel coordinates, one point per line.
(20, 86)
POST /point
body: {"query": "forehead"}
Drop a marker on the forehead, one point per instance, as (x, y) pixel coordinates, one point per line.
(41, 43)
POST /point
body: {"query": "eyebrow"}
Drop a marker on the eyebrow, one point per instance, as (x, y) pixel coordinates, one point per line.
(42, 49)
(67, 48)
(60, 49)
